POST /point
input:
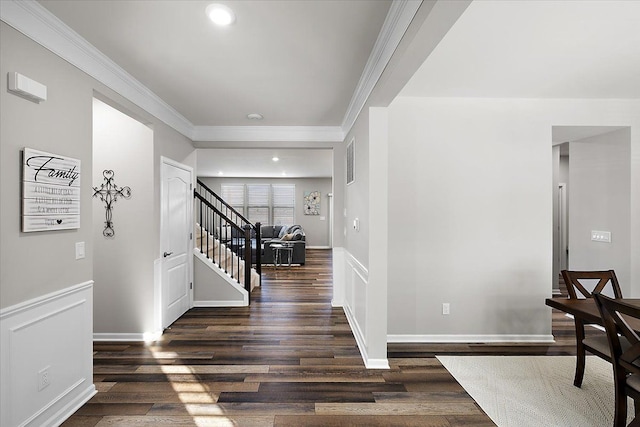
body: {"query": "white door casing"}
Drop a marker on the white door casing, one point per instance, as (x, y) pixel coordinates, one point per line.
(175, 243)
(563, 250)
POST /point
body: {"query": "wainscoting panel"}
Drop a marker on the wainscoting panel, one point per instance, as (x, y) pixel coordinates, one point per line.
(355, 301)
(359, 299)
(47, 363)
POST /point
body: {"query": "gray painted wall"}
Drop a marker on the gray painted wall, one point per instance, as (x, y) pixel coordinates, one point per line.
(123, 264)
(35, 264)
(208, 285)
(600, 175)
(316, 230)
(473, 178)
(356, 199)
(564, 169)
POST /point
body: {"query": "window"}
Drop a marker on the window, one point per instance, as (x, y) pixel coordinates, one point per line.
(263, 203)
(234, 195)
(284, 197)
(258, 203)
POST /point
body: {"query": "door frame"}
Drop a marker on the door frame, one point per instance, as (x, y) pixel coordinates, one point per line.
(563, 255)
(159, 290)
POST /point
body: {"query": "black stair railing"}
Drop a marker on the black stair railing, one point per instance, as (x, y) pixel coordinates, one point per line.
(235, 217)
(225, 236)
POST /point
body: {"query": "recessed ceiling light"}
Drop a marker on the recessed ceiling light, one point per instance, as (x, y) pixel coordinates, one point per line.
(255, 116)
(220, 14)
(220, 173)
(275, 159)
(284, 174)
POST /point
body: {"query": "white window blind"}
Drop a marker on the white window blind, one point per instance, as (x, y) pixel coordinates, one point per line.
(233, 194)
(283, 202)
(258, 203)
(263, 203)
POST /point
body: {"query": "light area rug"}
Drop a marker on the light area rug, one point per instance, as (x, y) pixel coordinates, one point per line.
(522, 391)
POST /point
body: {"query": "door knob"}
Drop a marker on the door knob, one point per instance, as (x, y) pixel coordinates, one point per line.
(166, 254)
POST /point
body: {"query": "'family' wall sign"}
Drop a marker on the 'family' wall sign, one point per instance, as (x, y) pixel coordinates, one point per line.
(50, 191)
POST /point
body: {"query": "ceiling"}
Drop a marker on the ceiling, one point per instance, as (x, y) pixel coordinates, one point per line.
(536, 49)
(300, 63)
(295, 62)
(562, 134)
(258, 163)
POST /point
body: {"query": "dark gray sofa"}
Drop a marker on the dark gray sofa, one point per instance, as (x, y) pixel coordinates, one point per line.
(275, 234)
(282, 234)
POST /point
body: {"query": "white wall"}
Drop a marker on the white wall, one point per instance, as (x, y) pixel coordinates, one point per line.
(123, 264)
(317, 231)
(600, 175)
(470, 220)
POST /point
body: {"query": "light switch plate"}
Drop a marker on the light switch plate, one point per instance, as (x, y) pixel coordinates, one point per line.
(601, 236)
(79, 250)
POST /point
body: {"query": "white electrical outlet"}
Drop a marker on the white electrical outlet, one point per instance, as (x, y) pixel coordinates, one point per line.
(445, 308)
(44, 378)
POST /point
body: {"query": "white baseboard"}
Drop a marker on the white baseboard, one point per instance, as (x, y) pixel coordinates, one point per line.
(128, 337)
(219, 304)
(53, 333)
(318, 247)
(369, 363)
(470, 338)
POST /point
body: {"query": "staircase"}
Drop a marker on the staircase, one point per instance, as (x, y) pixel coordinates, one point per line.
(225, 244)
(223, 257)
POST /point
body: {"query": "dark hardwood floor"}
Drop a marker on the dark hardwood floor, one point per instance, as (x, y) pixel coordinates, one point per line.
(289, 359)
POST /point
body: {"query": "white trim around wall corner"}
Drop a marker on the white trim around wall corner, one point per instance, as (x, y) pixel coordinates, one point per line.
(470, 338)
(64, 316)
(362, 344)
(351, 270)
(398, 18)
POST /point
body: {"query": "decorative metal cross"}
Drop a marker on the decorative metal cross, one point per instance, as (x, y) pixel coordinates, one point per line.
(108, 193)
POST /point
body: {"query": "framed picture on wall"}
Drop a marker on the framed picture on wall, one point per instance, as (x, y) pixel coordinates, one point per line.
(50, 191)
(351, 161)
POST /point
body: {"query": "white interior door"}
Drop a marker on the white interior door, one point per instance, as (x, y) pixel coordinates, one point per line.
(175, 239)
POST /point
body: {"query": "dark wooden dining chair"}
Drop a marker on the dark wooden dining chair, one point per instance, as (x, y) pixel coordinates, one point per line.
(625, 360)
(578, 285)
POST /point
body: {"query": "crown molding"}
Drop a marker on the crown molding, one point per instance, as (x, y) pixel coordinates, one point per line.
(398, 18)
(268, 133)
(43, 27)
